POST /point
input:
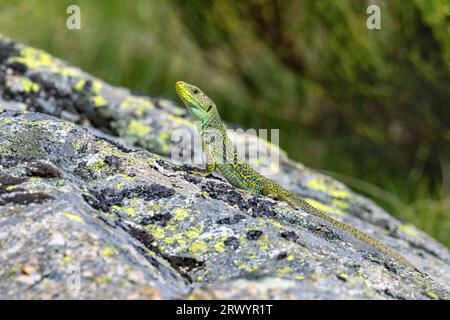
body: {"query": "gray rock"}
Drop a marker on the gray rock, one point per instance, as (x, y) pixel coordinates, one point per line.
(86, 212)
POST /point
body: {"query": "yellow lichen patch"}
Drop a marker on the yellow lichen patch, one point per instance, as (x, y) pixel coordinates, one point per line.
(180, 214)
(431, 294)
(137, 128)
(299, 278)
(47, 123)
(22, 84)
(137, 105)
(342, 276)
(200, 294)
(67, 260)
(188, 235)
(109, 251)
(409, 229)
(172, 227)
(246, 267)
(96, 166)
(204, 194)
(5, 121)
(79, 85)
(33, 58)
(74, 217)
(266, 222)
(155, 231)
(219, 246)
(126, 177)
(120, 185)
(99, 101)
(10, 188)
(198, 247)
(317, 277)
(178, 237)
(76, 144)
(29, 86)
(102, 280)
(340, 204)
(323, 207)
(135, 201)
(290, 258)
(131, 212)
(343, 194)
(263, 243)
(369, 294)
(243, 241)
(284, 270)
(193, 233)
(158, 233)
(319, 184)
(96, 85)
(67, 71)
(367, 283)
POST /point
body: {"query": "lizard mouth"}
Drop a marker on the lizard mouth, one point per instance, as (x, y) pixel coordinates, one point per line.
(183, 91)
(180, 86)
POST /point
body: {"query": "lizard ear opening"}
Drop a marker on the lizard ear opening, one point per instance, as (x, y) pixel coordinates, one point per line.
(209, 108)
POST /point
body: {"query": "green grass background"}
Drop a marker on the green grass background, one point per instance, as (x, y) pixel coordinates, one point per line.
(370, 107)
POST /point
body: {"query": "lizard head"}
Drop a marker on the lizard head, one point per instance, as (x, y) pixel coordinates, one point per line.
(199, 104)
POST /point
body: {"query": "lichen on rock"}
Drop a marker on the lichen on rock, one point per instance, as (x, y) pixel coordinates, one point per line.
(91, 208)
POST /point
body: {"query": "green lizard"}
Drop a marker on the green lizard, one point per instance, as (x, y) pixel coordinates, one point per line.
(221, 154)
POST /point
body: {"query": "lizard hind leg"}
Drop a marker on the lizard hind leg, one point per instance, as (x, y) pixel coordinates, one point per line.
(210, 168)
(269, 190)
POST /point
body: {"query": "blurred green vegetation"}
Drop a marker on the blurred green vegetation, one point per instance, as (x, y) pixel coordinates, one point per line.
(370, 107)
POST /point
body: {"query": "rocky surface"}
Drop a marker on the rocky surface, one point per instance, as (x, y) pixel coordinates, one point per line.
(91, 207)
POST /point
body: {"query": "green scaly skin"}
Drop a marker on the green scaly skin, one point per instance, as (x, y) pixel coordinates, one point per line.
(221, 154)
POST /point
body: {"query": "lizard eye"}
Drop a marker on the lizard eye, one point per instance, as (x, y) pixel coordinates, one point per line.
(209, 108)
(195, 91)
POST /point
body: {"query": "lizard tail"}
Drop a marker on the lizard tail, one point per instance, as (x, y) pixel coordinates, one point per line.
(298, 202)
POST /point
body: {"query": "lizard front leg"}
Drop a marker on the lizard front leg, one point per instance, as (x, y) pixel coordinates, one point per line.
(209, 151)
